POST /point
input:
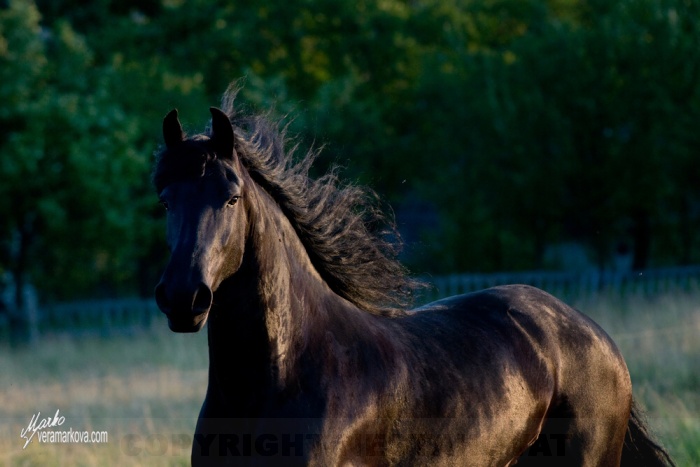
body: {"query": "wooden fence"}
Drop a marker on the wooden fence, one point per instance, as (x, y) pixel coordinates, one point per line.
(573, 285)
(101, 317)
(126, 316)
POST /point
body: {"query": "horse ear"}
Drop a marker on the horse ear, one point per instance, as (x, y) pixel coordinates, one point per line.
(172, 129)
(222, 133)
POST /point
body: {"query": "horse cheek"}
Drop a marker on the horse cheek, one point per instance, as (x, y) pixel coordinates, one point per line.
(234, 245)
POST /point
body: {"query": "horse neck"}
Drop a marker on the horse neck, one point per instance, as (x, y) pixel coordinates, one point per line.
(276, 305)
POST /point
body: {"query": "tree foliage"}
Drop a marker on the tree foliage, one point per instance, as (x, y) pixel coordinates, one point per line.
(496, 128)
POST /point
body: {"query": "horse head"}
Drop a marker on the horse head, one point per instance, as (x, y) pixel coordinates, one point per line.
(200, 184)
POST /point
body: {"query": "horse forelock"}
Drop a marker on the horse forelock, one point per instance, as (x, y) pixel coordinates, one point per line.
(185, 161)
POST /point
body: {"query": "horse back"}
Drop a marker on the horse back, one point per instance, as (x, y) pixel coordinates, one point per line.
(533, 330)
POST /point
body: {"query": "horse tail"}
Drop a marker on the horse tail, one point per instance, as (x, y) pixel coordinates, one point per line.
(640, 450)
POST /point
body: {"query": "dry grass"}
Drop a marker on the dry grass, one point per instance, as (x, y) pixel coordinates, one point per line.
(145, 391)
(660, 340)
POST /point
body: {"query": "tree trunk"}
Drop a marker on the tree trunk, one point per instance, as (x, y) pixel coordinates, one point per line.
(23, 316)
(641, 233)
(686, 231)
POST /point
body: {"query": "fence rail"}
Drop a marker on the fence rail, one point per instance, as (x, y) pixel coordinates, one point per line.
(124, 316)
(573, 285)
(101, 317)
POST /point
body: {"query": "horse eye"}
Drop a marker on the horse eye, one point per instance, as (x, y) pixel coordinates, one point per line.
(232, 201)
(164, 204)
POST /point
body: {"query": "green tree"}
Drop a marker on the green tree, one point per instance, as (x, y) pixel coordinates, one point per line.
(67, 161)
(577, 127)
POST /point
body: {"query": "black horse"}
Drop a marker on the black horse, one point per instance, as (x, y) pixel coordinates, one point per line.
(313, 361)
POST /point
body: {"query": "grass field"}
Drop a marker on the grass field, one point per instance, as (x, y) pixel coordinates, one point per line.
(145, 391)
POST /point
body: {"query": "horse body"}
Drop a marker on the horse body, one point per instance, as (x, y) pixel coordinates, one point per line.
(467, 381)
(302, 374)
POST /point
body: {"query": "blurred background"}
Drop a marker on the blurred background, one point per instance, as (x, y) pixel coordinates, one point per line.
(507, 135)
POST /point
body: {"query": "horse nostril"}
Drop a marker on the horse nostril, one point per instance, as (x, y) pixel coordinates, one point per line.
(161, 298)
(202, 299)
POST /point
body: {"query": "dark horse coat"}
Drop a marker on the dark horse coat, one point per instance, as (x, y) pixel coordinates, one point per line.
(313, 363)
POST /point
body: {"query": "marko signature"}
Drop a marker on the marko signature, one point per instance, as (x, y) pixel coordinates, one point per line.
(38, 424)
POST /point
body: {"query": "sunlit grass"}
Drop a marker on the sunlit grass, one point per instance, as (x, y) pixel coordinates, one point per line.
(146, 390)
(660, 340)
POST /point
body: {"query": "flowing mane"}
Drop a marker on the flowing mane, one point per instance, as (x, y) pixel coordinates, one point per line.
(351, 242)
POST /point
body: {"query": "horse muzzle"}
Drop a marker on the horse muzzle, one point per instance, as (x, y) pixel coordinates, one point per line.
(187, 308)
